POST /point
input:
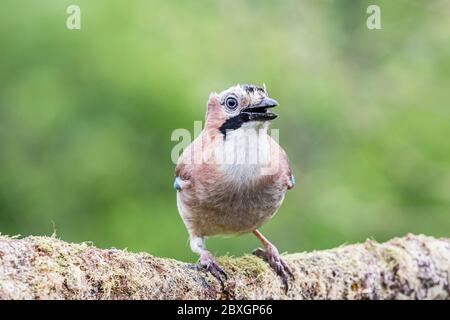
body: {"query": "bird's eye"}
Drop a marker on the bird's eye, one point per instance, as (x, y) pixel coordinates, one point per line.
(231, 103)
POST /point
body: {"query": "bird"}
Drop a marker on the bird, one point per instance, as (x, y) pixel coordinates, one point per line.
(233, 177)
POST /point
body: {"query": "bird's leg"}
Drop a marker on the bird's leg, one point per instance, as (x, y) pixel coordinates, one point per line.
(273, 258)
(206, 259)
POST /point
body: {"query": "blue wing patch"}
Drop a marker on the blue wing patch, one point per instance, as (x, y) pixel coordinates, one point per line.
(177, 184)
(291, 182)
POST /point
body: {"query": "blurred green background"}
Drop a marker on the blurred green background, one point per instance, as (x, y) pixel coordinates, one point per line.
(86, 116)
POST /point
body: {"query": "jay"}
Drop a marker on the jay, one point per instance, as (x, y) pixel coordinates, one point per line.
(233, 177)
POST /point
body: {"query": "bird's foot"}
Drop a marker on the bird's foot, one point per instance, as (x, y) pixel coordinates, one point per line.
(207, 262)
(273, 258)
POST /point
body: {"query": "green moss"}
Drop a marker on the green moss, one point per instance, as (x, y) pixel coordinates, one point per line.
(43, 244)
(371, 245)
(109, 286)
(252, 265)
(392, 255)
(61, 260)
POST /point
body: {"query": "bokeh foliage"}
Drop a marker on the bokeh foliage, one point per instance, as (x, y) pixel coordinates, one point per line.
(86, 116)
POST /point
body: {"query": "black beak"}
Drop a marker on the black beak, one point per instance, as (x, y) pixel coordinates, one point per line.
(259, 111)
(266, 103)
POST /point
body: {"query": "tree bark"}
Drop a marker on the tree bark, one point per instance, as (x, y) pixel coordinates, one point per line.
(411, 267)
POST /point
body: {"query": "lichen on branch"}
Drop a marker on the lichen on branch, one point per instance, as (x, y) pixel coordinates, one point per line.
(411, 267)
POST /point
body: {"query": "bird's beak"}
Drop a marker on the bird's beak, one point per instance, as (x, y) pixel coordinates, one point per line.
(259, 111)
(267, 103)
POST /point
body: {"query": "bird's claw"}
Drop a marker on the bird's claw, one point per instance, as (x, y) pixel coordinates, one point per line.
(272, 257)
(212, 267)
(217, 272)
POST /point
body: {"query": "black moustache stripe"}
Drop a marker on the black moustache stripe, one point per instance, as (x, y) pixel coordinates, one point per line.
(233, 123)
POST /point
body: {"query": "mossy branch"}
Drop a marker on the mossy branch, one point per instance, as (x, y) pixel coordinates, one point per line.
(416, 267)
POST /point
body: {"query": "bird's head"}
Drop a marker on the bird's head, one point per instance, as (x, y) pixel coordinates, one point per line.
(241, 105)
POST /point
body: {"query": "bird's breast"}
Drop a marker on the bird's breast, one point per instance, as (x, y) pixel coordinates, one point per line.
(240, 190)
(243, 155)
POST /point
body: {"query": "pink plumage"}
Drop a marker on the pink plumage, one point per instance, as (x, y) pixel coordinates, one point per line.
(234, 176)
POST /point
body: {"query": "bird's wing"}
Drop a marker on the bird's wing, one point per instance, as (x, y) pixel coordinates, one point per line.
(184, 169)
(290, 180)
(285, 169)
